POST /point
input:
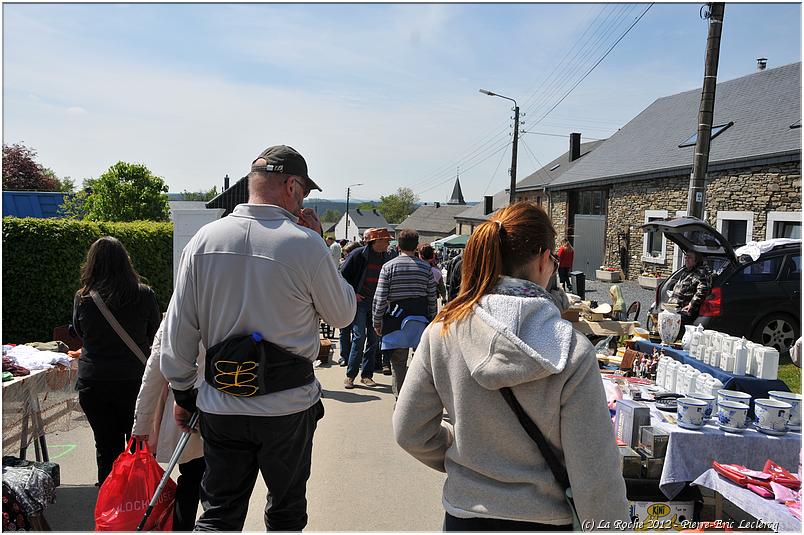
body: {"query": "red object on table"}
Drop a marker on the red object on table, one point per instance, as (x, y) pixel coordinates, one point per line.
(781, 476)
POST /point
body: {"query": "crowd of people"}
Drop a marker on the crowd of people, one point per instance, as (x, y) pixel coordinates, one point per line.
(241, 333)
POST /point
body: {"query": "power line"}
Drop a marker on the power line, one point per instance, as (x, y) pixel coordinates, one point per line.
(595, 65)
(494, 173)
(556, 135)
(465, 169)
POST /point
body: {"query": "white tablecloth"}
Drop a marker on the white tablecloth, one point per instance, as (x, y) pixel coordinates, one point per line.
(767, 510)
(690, 453)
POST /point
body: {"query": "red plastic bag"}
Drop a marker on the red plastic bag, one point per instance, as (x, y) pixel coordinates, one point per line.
(126, 493)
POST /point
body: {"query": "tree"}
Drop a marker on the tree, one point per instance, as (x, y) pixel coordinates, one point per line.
(397, 206)
(125, 192)
(331, 215)
(21, 172)
(64, 185)
(200, 195)
(366, 206)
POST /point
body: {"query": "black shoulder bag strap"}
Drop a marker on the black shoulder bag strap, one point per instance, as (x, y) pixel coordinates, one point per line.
(530, 427)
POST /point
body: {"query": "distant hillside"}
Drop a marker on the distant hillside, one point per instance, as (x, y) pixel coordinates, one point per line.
(322, 205)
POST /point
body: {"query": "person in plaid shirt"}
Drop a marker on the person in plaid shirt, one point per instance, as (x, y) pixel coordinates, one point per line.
(692, 288)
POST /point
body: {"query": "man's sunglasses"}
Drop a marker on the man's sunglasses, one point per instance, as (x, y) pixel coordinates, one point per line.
(300, 183)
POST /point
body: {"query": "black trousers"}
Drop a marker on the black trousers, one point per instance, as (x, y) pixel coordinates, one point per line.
(188, 494)
(236, 448)
(452, 523)
(109, 408)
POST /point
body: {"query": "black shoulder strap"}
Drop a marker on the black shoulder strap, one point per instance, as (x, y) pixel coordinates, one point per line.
(559, 472)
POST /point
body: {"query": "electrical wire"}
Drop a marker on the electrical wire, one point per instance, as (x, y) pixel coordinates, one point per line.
(595, 65)
(494, 173)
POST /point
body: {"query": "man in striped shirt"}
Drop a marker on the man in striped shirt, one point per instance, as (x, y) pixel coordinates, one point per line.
(404, 303)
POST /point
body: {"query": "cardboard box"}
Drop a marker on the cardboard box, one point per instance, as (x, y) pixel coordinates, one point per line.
(324, 350)
(661, 515)
(653, 441)
(630, 417)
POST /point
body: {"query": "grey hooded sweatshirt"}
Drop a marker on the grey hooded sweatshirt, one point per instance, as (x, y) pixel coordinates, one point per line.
(493, 468)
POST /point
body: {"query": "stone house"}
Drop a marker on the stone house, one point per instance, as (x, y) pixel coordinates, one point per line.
(642, 172)
(531, 188)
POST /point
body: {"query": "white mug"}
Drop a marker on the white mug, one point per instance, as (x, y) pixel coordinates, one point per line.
(794, 422)
(690, 412)
(711, 403)
(771, 416)
(732, 415)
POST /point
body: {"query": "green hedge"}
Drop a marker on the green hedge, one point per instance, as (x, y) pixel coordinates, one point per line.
(42, 260)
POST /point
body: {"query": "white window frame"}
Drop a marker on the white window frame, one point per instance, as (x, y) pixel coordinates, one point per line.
(662, 258)
(728, 215)
(776, 217)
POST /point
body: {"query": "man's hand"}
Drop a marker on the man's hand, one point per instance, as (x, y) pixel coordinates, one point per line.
(378, 330)
(359, 297)
(687, 309)
(308, 218)
(182, 417)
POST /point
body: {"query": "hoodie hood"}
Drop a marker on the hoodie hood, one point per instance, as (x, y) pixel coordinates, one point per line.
(516, 335)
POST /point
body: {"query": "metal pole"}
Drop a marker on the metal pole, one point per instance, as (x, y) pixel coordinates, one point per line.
(172, 464)
(697, 191)
(348, 191)
(512, 196)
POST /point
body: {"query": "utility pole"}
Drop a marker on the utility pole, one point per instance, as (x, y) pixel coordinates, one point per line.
(348, 193)
(512, 196)
(512, 190)
(700, 163)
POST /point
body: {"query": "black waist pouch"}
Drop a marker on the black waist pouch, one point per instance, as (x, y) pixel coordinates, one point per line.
(248, 366)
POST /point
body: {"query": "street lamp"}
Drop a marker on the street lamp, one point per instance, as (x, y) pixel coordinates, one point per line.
(512, 190)
(348, 193)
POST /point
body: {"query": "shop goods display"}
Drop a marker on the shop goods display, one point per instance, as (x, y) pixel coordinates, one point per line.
(686, 340)
(669, 324)
(630, 416)
(630, 462)
(733, 395)
(691, 413)
(794, 421)
(740, 353)
(771, 416)
(711, 404)
(732, 416)
(653, 441)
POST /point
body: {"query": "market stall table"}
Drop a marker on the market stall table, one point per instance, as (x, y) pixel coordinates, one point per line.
(605, 327)
(769, 511)
(758, 388)
(690, 453)
(36, 404)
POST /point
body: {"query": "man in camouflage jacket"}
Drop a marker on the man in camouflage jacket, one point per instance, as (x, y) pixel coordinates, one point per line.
(693, 286)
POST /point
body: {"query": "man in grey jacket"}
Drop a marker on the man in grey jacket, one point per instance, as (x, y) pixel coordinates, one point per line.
(263, 271)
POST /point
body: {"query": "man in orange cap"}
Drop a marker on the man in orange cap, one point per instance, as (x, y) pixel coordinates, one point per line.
(361, 269)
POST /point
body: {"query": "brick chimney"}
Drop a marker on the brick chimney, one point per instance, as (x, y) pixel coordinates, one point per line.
(488, 203)
(438, 205)
(761, 64)
(575, 146)
(226, 182)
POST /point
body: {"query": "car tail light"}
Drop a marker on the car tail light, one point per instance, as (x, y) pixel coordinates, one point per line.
(711, 305)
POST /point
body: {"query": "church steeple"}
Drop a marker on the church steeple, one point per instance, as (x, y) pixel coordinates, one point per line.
(457, 194)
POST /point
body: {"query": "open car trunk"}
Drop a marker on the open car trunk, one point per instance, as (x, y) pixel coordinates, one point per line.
(692, 234)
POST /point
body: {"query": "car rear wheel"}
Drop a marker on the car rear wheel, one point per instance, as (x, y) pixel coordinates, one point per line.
(777, 330)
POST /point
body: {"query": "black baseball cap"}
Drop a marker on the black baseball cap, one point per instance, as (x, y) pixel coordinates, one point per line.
(284, 159)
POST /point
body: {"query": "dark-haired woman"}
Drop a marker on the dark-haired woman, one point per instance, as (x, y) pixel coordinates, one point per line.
(504, 330)
(109, 373)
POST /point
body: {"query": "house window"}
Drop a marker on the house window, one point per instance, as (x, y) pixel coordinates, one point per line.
(783, 225)
(736, 227)
(654, 244)
(590, 203)
(678, 254)
(716, 130)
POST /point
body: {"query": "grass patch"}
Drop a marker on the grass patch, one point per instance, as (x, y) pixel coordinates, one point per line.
(789, 373)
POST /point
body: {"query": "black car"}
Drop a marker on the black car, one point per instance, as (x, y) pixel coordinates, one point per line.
(758, 299)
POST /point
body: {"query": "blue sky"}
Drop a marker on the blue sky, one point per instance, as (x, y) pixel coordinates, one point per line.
(380, 94)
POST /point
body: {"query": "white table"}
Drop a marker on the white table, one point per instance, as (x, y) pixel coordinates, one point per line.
(770, 512)
(690, 453)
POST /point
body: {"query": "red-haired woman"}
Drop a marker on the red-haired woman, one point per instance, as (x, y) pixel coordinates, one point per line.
(503, 330)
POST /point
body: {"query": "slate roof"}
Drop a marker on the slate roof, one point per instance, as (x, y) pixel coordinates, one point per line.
(428, 219)
(762, 106)
(536, 180)
(457, 194)
(367, 218)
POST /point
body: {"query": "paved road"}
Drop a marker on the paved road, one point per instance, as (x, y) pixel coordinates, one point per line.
(361, 480)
